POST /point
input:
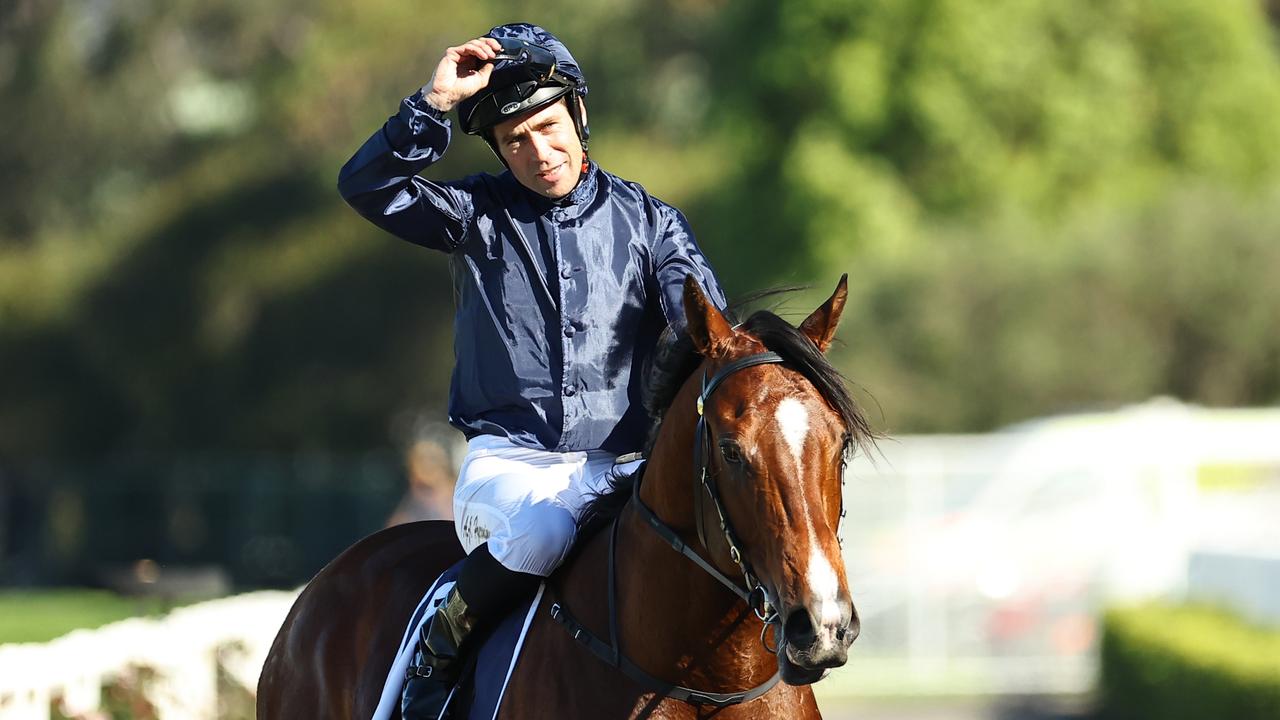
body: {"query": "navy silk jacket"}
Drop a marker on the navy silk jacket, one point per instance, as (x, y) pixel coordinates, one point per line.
(559, 303)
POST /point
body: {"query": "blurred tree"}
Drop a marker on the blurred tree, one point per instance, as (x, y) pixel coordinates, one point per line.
(176, 271)
(952, 154)
(1004, 320)
(851, 121)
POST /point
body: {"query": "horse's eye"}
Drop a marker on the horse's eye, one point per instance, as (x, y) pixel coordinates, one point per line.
(730, 451)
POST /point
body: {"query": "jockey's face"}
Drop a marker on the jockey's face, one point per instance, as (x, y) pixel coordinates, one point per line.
(542, 150)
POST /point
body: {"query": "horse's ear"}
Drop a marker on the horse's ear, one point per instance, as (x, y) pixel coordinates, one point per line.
(821, 325)
(708, 329)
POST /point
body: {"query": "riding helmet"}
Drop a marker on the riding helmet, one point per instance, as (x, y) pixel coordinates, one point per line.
(533, 70)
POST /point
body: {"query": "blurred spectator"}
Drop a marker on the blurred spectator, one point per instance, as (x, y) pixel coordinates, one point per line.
(430, 473)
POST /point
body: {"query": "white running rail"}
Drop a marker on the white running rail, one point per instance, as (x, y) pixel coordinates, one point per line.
(183, 649)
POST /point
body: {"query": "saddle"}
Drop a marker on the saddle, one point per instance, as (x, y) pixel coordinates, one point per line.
(484, 677)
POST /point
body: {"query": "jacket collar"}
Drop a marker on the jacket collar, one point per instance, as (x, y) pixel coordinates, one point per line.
(585, 190)
(580, 195)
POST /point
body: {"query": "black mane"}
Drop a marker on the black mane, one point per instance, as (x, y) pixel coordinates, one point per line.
(801, 354)
(676, 359)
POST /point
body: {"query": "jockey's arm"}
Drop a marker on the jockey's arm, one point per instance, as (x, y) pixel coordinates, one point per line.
(381, 180)
(677, 255)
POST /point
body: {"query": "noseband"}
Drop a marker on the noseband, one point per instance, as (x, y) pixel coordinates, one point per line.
(754, 593)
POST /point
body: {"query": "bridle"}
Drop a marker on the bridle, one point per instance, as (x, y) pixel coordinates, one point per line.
(753, 594)
(708, 486)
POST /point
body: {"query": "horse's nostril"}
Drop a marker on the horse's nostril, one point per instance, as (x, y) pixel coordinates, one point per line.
(851, 633)
(799, 629)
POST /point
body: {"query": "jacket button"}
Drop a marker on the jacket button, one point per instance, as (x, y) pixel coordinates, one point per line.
(568, 330)
(566, 272)
(569, 391)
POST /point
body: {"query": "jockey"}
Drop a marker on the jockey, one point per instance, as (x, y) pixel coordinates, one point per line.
(564, 277)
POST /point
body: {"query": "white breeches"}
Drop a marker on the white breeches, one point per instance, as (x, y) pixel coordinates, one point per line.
(526, 503)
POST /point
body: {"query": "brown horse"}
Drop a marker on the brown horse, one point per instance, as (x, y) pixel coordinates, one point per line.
(720, 573)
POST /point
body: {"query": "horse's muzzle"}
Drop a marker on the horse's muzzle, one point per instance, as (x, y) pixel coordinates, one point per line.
(810, 648)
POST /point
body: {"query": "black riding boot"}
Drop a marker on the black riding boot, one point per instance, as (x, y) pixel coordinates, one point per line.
(435, 664)
(490, 590)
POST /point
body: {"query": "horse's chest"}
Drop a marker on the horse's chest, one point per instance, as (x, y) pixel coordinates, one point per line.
(570, 683)
(557, 677)
(782, 702)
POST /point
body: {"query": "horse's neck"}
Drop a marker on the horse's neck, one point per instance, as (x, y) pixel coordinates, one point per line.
(679, 623)
(678, 618)
(669, 474)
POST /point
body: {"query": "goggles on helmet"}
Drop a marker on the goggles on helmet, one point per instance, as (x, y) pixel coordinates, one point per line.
(529, 79)
(539, 60)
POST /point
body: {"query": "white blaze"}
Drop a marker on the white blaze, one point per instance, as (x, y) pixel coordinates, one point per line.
(793, 419)
(825, 586)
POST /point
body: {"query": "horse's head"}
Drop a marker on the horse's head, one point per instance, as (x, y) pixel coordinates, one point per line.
(777, 435)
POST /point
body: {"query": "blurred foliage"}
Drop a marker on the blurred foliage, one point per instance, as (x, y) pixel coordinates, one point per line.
(1176, 662)
(862, 119)
(1041, 205)
(1003, 316)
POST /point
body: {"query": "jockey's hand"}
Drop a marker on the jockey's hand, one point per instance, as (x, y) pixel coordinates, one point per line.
(463, 71)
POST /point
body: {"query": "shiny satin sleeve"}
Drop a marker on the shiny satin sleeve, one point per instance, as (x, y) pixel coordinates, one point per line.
(677, 254)
(381, 180)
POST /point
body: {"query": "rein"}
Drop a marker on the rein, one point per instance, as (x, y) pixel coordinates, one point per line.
(754, 594)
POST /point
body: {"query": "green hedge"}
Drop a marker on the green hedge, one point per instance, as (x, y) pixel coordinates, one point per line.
(1175, 662)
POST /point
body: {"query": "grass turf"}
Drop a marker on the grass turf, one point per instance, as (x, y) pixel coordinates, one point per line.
(42, 615)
